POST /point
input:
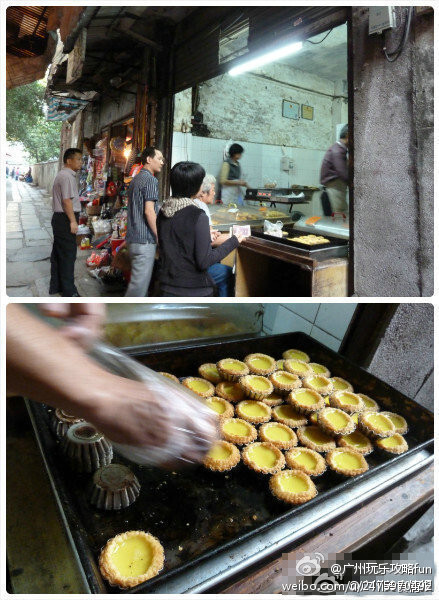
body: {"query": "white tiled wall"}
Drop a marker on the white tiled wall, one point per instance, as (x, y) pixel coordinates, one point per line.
(327, 323)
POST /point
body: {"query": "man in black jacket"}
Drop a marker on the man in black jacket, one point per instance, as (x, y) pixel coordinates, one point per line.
(334, 172)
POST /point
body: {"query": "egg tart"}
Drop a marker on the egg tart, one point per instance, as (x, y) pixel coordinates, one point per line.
(280, 364)
(253, 411)
(346, 462)
(256, 386)
(238, 431)
(375, 425)
(210, 372)
(230, 391)
(313, 418)
(356, 441)
(399, 422)
(131, 558)
(61, 422)
(203, 388)
(284, 382)
(170, 376)
(395, 444)
(306, 401)
(318, 383)
(231, 369)
(304, 459)
(292, 486)
(297, 354)
(263, 457)
(347, 401)
(354, 417)
(297, 367)
(223, 408)
(260, 364)
(341, 385)
(278, 434)
(320, 369)
(287, 415)
(223, 456)
(273, 399)
(369, 403)
(114, 487)
(334, 421)
(313, 437)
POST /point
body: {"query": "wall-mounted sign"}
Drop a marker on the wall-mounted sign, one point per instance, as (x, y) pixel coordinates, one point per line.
(307, 112)
(290, 110)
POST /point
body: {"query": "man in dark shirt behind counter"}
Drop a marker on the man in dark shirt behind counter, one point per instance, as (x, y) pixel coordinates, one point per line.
(143, 207)
(334, 172)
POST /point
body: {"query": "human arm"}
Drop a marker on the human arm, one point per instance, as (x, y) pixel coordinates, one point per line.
(151, 217)
(220, 239)
(224, 177)
(204, 254)
(67, 204)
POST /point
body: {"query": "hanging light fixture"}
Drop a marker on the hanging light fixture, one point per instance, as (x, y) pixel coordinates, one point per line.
(266, 58)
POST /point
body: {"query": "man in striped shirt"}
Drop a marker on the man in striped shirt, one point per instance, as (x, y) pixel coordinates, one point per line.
(141, 238)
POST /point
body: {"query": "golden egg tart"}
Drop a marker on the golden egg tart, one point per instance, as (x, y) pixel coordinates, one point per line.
(320, 369)
(347, 401)
(292, 486)
(369, 403)
(287, 415)
(253, 411)
(354, 417)
(222, 456)
(263, 457)
(278, 434)
(304, 459)
(260, 364)
(297, 367)
(230, 391)
(319, 383)
(273, 399)
(341, 385)
(256, 386)
(210, 372)
(280, 364)
(375, 425)
(356, 441)
(297, 354)
(313, 437)
(313, 418)
(398, 421)
(346, 462)
(305, 401)
(238, 431)
(231, 369)
(334, 421)
(395, 444)
(203, 388)
(131, 558)
(170, 376)
(222, 407)
(284, 382)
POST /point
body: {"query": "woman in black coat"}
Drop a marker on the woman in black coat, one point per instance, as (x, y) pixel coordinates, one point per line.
(184, 241)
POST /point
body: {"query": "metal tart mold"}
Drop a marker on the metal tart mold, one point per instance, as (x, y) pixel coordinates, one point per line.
(85, 448)
(60, 422)
(114, 487)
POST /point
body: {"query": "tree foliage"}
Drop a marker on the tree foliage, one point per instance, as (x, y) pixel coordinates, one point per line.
(26, 122)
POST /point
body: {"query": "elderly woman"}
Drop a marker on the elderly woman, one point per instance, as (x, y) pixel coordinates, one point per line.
(184, 237)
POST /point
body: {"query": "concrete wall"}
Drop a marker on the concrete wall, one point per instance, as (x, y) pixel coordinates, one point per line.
(44, 174)
(393, 162)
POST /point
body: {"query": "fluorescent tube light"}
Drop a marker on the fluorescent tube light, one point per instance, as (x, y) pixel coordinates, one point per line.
(254, 63)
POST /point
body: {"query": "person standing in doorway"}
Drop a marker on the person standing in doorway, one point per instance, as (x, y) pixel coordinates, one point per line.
(334, 172)
(143, 206)
(66, 208)
(230, 176)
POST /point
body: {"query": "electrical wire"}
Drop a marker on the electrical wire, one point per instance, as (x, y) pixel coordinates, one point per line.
(322, 40)
(395, 54)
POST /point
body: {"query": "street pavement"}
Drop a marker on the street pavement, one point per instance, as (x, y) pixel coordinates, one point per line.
(29, 244)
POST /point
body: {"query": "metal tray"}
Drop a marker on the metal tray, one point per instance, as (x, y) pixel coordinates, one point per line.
(199, 515)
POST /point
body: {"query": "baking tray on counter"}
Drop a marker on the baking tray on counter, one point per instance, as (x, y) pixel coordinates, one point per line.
(199, 515)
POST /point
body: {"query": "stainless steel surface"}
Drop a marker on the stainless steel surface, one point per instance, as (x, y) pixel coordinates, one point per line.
(334, 227)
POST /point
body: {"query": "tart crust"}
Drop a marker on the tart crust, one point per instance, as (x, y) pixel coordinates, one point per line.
(369, 403)
(249, 461)
(267, 370)
(299, 497)
(109, 569)
(319, 383)
(281, 444)
(170, 376)
(236, 438)
(324, 421)
(339, 381)
(291, 458)
(290, 382)
(222, 464)
(207, 392)
(227, 370)
(253, 418)
(280, 364)
(320, 369)
(287, 415)
(294, 398)
(347, 401)
(210, 372)
(398, 421)
(273, 399)
(323, 443)
(356, 441)
(297, 367)
(346, 471)
(228, 412)
(400, 446)
(366, 425)
(230, 391)
(249, 383)
(298, 354)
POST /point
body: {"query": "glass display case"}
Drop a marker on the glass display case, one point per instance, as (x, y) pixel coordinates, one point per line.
(225, 215)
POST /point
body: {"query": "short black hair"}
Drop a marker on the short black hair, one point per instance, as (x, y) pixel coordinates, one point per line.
(70, 153)
(148, 152)
(186, 179)
(235, 149)
(344, 132)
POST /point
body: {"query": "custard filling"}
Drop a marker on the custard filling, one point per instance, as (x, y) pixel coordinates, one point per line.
(284, 378)
(337, 419)
(348, 399)
(232, 389)
(236, 428)
(286, 412)
(217, 406)
(280, 364)
(355, 439)
(345, 460)
(293, 483)
(261, 363)
(199, 386)
(354, 417)
(339, 385)
(274, 397)
(380, 422)
(391, 442)
(219, 452)
(132, 557)
(296, 354)
(306, 460)
(259, 384)
(317, 436)
(318, 382)
(318, 368)
(233, 364)
(368, 403)
(297, 366)
(277, 434)
(306, 398)
(211, 371)
(396, 420)
(262, 456)
(252, 409)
